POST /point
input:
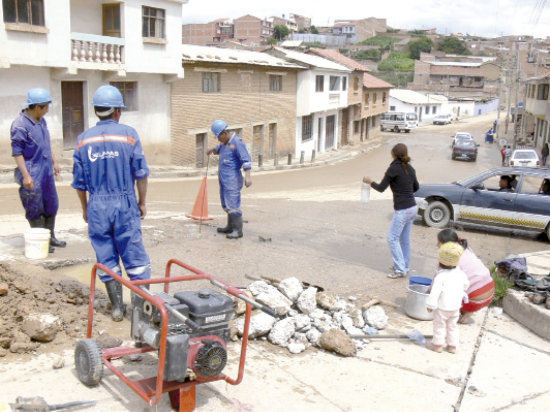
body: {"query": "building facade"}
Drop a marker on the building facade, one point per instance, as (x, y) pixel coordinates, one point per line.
(252, 30)
(71, 48)
(537, 111)
(211, 33)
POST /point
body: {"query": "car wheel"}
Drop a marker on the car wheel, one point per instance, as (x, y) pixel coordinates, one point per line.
(407, 131)
(437, 214)
(548, 231)
(396, 129)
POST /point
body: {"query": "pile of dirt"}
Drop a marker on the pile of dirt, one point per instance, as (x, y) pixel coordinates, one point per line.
(39, 307)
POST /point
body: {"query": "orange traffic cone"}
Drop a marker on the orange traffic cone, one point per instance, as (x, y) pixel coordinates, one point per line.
(200, 210)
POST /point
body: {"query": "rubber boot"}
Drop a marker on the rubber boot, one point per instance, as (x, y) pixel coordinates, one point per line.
(50, 224)
(227, 228)
(114, 290)
(237, 228)
(39, 223)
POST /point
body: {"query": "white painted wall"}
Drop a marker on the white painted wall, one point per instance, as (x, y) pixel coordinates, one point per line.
(461, 109)
(311, 144)
(401, 106)
(309, 101)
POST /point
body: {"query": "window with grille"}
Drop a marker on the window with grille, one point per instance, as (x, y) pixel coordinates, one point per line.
(129, 94)
(153, 23)
(210, 82)
(24, 11)
(319, 83)
(275, 83)
(307, 128)
(334, 84)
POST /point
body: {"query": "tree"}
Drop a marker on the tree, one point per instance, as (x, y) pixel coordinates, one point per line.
(422, 44)
(313, 30)
(280, 32)
(453, 45)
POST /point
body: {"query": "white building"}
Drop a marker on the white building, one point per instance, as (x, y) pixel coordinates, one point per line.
(322, 95)
(425, 106)
(73, 47)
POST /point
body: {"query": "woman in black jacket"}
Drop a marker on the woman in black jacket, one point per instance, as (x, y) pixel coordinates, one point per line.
(401, 178)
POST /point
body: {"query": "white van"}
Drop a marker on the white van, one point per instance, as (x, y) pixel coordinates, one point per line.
(397, 121)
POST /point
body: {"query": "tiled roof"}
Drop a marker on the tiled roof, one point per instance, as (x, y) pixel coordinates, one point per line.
(338, 57)
(372, 82)
(192, 53)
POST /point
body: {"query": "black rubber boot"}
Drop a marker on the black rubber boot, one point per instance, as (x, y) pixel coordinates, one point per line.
(114, 290)
(237, 228)
(39, 223)
(49, 223)
(227, 228)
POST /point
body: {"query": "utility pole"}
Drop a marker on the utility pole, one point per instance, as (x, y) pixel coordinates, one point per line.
(508, 86)
(516, 111)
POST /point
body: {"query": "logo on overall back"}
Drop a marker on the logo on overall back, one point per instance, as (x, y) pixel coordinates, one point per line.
(107, 154)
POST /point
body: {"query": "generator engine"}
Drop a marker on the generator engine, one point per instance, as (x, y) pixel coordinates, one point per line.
(198, 343)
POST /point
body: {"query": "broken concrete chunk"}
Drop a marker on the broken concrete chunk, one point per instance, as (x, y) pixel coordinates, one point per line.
(302, 322)
(260, 325)
(307, 302)
(41, 327)
(241, 304)
(282, 331)
(356, 317)
(313, 335)
(336, 340)
(376, 317)
(275, 300)
(291, 288)
(326, 300)
(258, 287)
(296, 348)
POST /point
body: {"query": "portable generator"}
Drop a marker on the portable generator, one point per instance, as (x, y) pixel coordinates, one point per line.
(189, 330)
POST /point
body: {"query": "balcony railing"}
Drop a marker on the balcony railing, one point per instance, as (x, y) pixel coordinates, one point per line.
(91, 48)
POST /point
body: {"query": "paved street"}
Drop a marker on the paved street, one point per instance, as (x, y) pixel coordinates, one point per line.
(317, 230)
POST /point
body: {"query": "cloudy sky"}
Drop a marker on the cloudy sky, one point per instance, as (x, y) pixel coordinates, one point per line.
(476, 17)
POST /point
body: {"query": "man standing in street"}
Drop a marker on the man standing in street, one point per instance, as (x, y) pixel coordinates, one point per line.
(36, 164)
(108, 161)
(544, 153)
(233, 157)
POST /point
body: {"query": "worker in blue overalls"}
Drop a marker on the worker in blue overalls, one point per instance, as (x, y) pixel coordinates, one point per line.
(36, 164)
(233, 157)
(108, 163)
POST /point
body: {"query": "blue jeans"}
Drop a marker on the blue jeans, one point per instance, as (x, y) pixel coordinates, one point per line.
(399, 238)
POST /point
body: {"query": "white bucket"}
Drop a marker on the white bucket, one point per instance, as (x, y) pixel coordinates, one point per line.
(37, 243)
(415, 305)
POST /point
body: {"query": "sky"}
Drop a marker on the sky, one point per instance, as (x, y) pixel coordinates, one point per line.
(489, 18)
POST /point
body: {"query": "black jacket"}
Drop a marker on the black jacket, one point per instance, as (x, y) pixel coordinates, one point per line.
(402, 183)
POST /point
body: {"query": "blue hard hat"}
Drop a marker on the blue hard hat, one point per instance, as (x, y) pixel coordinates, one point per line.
(218, 126)
(108, 96)
(38, 96)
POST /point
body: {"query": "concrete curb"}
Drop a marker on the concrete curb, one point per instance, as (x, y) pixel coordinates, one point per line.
(534, 317)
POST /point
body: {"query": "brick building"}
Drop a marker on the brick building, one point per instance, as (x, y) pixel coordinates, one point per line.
(255, 93)
(214, 32)
(252, 30)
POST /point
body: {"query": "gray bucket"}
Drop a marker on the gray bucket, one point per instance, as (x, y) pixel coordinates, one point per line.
(415, 305)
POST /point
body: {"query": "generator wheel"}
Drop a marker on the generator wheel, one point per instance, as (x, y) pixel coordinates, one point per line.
(89, 362)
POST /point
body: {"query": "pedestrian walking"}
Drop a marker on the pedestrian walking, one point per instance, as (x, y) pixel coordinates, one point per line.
(108, 164)
(401, 178)
(482, 286)
(544, 153)
(36, 164)
(507, 154)
(446, 296)
(233, 157)
(503, 154)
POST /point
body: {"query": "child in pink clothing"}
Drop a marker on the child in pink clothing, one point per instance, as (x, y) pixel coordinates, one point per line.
(446, 295)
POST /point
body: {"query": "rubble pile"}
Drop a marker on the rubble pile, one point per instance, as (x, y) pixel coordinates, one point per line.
(309, 317)
(39, 306)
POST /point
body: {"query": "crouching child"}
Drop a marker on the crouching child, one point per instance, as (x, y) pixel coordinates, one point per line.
(447, 293)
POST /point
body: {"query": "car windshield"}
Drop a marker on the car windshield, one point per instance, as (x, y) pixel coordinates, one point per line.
(525, 155)
(411, 116)
(463, 136)
(466, 143)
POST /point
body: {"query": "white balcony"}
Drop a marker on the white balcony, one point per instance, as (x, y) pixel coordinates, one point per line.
(91, 51)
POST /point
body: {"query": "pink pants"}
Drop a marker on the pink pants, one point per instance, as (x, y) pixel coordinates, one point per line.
(445, 327)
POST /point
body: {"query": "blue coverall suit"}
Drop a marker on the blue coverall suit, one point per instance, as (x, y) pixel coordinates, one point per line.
(233, 156)
(32, 140)
(108, 159)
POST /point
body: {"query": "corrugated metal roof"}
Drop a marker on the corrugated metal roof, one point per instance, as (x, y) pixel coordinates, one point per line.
(312, 60)
(192, 53)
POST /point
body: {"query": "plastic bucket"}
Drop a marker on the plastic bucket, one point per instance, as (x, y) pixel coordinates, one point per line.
(420, 280)
(415, 304)
(37, 243)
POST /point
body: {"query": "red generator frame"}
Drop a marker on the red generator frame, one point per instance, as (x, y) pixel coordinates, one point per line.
(151, 389)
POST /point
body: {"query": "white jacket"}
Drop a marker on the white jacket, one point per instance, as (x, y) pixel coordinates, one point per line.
(448, 290)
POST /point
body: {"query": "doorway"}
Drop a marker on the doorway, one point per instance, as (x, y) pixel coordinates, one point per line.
(329, 132)
(72, 112)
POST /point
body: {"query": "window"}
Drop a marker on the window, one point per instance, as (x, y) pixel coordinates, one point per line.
(153, 23)
(427, 109)
(111, 20)
(531, 184)
(275, 83)
(210, 82)
(392, 108)
(334, 84)
(307, 127)
(319, 83)
(355, 83)
(384, 97)
(24, 11)
(356, 125)
(433, 109)
(344, 83)
(374, 98)
(367, 95)
(129, 94)
(542, 92)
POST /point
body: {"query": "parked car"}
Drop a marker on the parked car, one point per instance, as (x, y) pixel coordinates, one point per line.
(397, 121)
(443, 119)
(465, 149)
(480, 199)
(461, 135)
(525, 157)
